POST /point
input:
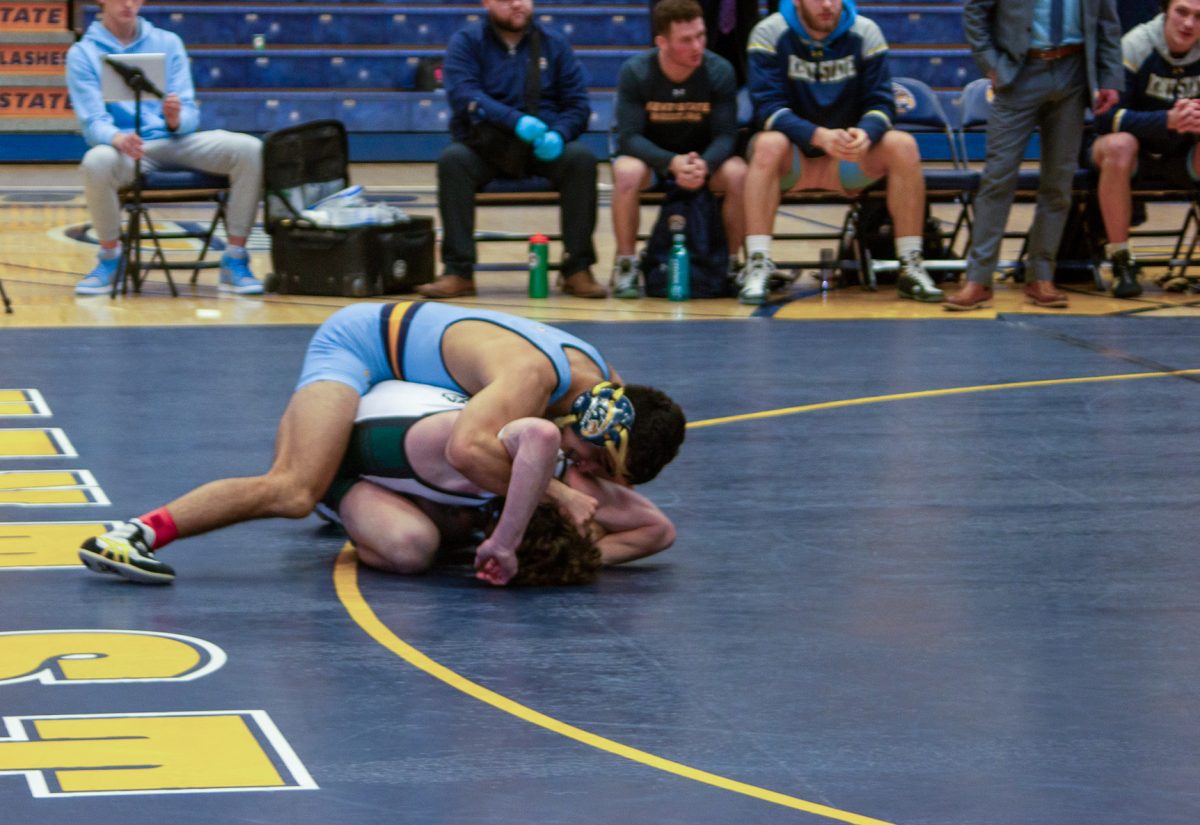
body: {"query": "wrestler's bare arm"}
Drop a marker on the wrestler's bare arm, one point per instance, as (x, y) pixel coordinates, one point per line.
(473, 448)
(532, 444)
(633, 526)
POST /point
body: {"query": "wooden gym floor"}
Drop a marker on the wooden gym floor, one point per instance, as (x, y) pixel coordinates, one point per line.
(932, 569)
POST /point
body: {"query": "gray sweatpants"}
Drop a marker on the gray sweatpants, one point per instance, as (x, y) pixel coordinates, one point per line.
(106, 171)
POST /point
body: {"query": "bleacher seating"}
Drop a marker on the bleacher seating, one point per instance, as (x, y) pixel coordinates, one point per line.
(358, 60)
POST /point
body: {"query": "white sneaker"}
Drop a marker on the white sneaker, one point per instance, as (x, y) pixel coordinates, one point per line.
(914, 281)
(755, 279)
(625, 279)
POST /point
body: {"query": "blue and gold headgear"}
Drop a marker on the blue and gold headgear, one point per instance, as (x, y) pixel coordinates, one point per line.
(603, 416)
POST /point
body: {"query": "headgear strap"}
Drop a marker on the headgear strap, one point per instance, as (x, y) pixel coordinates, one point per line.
(603, 416)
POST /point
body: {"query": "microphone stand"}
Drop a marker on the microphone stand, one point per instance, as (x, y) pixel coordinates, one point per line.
(136, 80)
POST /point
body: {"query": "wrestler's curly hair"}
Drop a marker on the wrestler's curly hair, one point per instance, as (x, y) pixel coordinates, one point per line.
(554, 553)
(657, 432)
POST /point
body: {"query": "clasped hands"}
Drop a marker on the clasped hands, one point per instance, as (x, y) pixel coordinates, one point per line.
(690, 170)
(547, 144)
(842, 144)
(1184, 116)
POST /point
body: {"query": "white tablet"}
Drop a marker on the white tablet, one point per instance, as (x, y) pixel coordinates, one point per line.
(114, 88)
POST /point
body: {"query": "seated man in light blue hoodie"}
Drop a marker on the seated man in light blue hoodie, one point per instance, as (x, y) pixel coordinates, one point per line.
(168, 140)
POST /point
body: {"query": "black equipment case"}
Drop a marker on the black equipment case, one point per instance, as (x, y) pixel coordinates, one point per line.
(301, 165)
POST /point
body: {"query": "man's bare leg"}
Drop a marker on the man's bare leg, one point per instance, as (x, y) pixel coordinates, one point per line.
(312, 437)
(770, 160)
(630, 177)
(309, 446)
(1115, 155)
(730, 181)
(389, 532)
(896, 155)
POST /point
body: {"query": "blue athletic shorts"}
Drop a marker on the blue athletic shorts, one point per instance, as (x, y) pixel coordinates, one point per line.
(348, 348)
(850, 174)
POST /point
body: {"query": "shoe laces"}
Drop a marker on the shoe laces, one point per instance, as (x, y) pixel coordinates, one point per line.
(624, 274)
(238, 268)
(757, 272)
(914, 267)
(105, 269)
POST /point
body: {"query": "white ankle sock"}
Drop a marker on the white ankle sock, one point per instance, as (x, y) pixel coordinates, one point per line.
(756, 244)
(1111, 249)
(908, 245)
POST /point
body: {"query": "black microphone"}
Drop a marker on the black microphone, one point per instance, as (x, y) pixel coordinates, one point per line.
(134, 77)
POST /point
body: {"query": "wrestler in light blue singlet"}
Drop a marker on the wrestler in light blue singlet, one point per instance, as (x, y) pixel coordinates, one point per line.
(363, 344)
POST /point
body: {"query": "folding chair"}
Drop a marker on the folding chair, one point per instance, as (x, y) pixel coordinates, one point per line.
(919, 111)
(162, 187)
(1187, 237)
(1147, 189)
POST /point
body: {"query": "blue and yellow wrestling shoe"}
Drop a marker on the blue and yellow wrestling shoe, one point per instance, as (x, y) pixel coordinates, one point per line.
(125, 552)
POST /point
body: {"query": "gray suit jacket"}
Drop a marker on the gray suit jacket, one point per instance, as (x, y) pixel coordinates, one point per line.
(998, 32)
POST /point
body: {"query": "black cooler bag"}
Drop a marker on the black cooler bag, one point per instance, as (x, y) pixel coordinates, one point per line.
(301, 165)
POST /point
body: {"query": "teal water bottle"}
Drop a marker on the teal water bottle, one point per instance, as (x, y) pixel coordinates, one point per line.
(679, 265)
(539, 266)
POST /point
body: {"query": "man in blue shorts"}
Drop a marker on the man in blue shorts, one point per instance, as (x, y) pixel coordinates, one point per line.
(1152, 130)
(822, 91)
(511, 367)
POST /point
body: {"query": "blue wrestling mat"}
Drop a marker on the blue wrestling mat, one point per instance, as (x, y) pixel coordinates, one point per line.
(926, 572)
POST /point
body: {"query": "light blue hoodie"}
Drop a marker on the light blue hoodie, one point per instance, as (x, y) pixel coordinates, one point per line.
(101, 121)
(849, 12)
(798, 83)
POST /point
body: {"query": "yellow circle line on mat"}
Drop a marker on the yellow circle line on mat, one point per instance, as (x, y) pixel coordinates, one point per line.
(345, 582)
(906, 396)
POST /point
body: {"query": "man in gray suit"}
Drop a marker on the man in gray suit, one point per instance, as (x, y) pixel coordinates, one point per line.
(1046, 59)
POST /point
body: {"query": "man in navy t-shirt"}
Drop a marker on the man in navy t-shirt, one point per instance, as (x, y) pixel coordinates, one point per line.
(676, 119)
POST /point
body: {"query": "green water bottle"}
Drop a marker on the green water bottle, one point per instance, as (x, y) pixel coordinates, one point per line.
(539, 266)
(679, 264)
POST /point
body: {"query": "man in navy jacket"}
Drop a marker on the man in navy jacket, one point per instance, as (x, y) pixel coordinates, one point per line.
(1152, 131)
(822, 92)
(485, 74)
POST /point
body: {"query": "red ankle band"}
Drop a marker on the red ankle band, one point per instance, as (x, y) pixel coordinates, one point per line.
(162, 524)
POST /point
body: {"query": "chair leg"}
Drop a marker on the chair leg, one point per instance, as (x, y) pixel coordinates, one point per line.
(131, 240)
(218, 219)
(158, 260)
(4, 297)
(1192, 222)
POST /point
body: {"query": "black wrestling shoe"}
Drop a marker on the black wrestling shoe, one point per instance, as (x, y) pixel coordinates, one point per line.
(125, 552)
(1125, 275)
